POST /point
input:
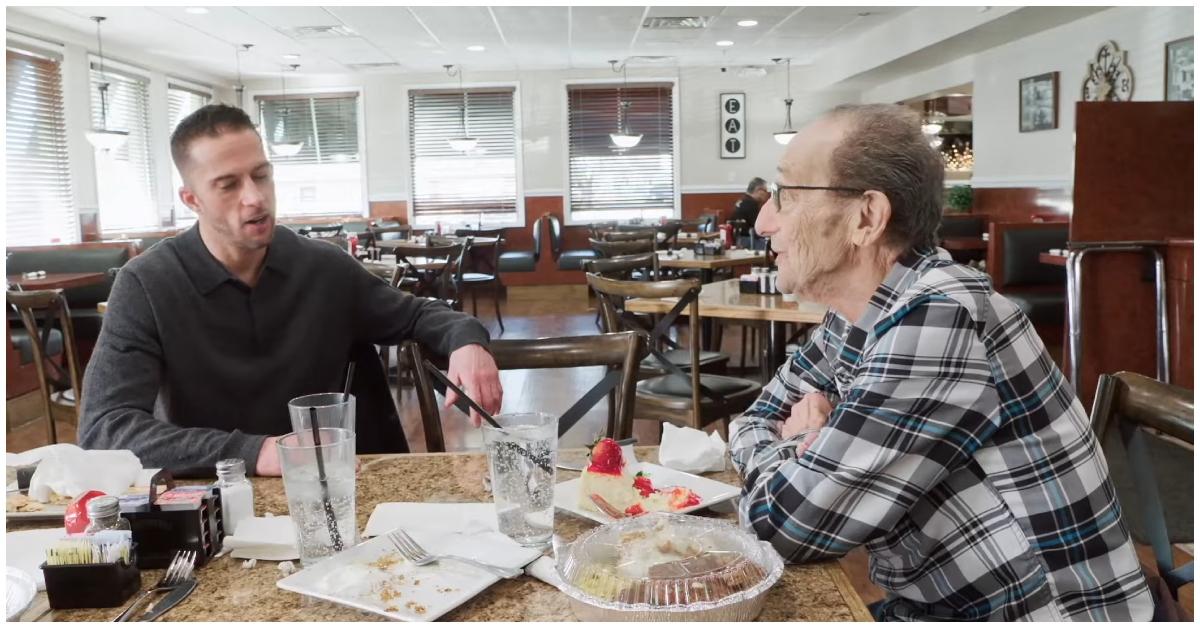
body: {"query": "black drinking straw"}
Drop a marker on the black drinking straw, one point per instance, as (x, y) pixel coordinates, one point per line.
(349, 381)
(330, 518)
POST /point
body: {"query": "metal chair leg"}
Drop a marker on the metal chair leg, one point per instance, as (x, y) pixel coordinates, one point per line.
(496, 300)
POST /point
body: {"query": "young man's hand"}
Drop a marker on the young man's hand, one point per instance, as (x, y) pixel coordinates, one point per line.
(809, 414)
(473, 369)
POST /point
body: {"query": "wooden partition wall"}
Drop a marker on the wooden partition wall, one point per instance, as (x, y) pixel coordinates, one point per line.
(1133, 182)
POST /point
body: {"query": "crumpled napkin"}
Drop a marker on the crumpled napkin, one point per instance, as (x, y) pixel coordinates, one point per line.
(690, 450)
(265, 538)
(70, 471)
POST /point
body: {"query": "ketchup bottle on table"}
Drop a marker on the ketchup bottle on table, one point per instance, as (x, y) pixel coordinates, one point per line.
(727, 235)
(352, 242)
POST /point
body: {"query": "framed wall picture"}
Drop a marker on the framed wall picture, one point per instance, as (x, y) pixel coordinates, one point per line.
(1180, 77)
(733, 125)
(1039, 102)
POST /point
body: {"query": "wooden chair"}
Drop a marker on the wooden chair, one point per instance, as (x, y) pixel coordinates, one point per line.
(597, 229)
(619, 352)
(439, 283)
(483, 269)
(682, 394)
(59, 385)
(618, 249)
(322, 231)
(635, 267)
(625, 236)
(1153, 466)
(378, 234)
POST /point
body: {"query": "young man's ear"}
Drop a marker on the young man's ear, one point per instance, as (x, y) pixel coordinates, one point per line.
(873, 218)
(189, 198)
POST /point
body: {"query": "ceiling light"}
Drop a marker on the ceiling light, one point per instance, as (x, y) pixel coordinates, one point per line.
(786, 135)
(747, 23)
(476, 48)
(463, 144)
(724, 42)
(286, 149)
(196, 10)
(935, 142)
(103, 138)
(931, 128)
(623, 139)
(291, 57)
(281, 146)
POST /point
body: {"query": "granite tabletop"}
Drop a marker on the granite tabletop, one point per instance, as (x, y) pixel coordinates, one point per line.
(229, 592)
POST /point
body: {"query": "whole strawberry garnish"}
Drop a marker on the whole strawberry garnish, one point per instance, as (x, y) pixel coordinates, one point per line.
(642, 483)
(606, 457)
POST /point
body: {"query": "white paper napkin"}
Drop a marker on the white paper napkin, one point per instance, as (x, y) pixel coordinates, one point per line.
(543, 569)
(26, 550)
(690, 450)
(264, 538)
(468, 530)
(70, 471)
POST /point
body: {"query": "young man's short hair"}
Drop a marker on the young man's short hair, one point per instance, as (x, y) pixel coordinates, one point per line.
(207, 121)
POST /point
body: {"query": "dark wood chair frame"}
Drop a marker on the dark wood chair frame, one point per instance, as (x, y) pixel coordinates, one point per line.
(51, 305)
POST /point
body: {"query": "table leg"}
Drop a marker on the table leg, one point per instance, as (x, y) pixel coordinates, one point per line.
(706, 324)
(774, 349)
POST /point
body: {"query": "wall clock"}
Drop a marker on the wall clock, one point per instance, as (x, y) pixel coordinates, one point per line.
(1108, 77)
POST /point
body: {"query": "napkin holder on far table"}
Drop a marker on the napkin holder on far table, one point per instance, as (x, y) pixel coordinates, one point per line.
(182, 518)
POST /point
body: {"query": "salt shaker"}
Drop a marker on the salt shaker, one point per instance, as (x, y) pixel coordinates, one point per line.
(237, 494)
(104, 513)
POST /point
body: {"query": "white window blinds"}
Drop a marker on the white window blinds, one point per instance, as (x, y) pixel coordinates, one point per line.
(607, 182)
(125, 175)
(40, 208)
(326, 176)
(181, 102)
(456, 187)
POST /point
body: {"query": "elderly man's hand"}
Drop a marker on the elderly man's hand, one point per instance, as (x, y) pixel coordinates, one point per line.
(473, 369)
(809, 414)
(268, 459)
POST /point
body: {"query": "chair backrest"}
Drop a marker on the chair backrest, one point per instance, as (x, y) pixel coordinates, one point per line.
(709, 224)
(962, 226)
(617, 249)
(667, 234)
(623, 266)
(625, 236)
(1013, 254)
(620, 352)
(322, 231)
(356, 228)
(41, 311)
(391, 233)
(555, 235)
(448, 278)
(482, 257)
(613, 294)
(378, 429)
(537, 239)
(1154, 478)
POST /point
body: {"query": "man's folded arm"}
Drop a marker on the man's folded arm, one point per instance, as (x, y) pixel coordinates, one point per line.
(886, 445)
(122, 384)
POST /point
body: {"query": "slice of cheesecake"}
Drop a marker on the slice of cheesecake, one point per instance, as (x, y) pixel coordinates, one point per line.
(608, 477)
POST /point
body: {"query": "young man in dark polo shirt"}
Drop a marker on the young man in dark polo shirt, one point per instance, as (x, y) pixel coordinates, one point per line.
(210, 333)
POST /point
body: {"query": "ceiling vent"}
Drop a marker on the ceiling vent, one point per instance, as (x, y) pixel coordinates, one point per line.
(367, 67)
(650, 59)
(672, 23)
(319, 32)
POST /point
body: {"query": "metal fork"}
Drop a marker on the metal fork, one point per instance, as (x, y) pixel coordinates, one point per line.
(419, 556)
(177, 573)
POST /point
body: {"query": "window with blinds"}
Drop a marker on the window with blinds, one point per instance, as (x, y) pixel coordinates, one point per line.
(326, 175)
(478, 187)
(611, 183)
(40, 208)
(124, 176)
(181, 102)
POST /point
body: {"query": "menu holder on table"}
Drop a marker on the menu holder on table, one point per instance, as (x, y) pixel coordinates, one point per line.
(181, 518)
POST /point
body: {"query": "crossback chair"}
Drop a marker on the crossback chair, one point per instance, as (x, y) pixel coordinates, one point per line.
(625, 236)
(378, 234)
(597, 229)
(436, 274)
(617, 249)
(620, 353)
(638, 266)
(682, 394)
(483, 268)
(322, 231)
(1155, 425)
(58, 384)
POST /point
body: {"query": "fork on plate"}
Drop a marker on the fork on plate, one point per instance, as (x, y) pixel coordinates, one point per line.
(178, 572)
(420, 556)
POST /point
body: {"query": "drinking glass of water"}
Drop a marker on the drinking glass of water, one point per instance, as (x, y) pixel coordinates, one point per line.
(319, 482)
(332, 411)
(521, 456)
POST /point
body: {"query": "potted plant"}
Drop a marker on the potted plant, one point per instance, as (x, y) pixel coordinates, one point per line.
(959, 198)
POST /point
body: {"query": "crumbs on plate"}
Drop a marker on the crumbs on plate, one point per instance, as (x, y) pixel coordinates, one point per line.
(414, 607)
(386, 562)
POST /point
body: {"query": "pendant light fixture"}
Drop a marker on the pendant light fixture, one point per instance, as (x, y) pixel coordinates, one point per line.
(463, 143)
(103, 138)
(240, 89)
(623, 139)
(286, 149)
(786, 135)
(934, 120)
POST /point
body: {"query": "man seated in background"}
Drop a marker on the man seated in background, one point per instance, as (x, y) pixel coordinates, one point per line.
(209, 334)
(747, 208)
(924, 418)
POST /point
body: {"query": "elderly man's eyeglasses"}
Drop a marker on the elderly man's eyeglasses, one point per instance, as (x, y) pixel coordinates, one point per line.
(774, 188)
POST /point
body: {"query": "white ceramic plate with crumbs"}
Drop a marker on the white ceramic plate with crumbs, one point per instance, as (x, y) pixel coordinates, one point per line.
(374, 577)
(711, 492)
(55, 512)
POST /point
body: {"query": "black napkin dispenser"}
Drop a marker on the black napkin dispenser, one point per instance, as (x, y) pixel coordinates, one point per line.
(102, 585)
(180, 518)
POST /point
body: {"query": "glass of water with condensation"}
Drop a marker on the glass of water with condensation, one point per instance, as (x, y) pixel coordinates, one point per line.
(319, 481)
(522, 454)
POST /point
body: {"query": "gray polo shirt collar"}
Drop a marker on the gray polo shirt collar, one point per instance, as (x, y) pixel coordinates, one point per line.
(207, 273)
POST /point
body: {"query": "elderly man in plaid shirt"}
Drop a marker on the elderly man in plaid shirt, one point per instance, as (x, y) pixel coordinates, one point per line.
(924, 419)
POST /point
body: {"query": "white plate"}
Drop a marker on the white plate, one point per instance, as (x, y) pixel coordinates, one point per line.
(56, 512)
(26, 550)
(19, 591)
(352, 580)
(566, 494)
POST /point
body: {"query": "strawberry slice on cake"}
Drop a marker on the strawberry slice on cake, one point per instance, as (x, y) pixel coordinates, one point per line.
(607, 479)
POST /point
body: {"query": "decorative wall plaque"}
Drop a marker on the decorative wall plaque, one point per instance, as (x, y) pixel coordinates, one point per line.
(1108, 77)
(733, 126)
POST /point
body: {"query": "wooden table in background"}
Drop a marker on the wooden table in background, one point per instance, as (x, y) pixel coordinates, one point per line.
(1052, 259)
(54, 281)
(964, 244)
(722, 299)
(227, 592)
(706, 264)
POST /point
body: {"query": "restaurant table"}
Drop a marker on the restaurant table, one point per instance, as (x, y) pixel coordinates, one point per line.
(964, 244)
(227, 592)
(1052, 259)
(706, 264)
(57, 281)
(723, 299)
